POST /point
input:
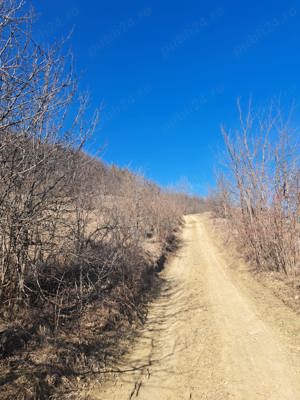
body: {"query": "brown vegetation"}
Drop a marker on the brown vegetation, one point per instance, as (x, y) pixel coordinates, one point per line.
(260, 193)
(77, 237)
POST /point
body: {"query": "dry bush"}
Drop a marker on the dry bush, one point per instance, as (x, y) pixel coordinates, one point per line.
(72, 230)
(260, 193)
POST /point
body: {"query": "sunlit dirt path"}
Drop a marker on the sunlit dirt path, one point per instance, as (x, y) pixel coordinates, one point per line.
(209, 335)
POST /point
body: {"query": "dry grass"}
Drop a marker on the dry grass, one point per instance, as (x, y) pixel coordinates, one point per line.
(285, 287)
(75, 273)
(259, 190)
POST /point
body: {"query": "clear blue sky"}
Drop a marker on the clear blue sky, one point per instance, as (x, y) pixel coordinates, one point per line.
(168, 73)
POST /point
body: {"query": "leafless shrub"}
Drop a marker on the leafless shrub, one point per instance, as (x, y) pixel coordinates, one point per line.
(72, 230)
(38, 157)
(260, 194)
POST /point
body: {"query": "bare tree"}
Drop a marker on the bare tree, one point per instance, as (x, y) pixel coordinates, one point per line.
(263, 182)
(73, 231)
(38, 155)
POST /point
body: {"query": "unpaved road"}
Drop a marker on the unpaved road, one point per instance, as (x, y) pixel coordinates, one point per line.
(211, 334)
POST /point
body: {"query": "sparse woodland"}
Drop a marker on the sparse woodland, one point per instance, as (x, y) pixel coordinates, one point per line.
(79, 241)
(259, 192)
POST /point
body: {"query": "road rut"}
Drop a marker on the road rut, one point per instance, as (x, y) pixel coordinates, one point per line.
(210, 336)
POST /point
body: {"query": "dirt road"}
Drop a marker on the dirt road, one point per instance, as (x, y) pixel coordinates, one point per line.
(211, 334)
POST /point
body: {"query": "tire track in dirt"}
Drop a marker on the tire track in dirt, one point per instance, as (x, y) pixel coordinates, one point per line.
(204, 337)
